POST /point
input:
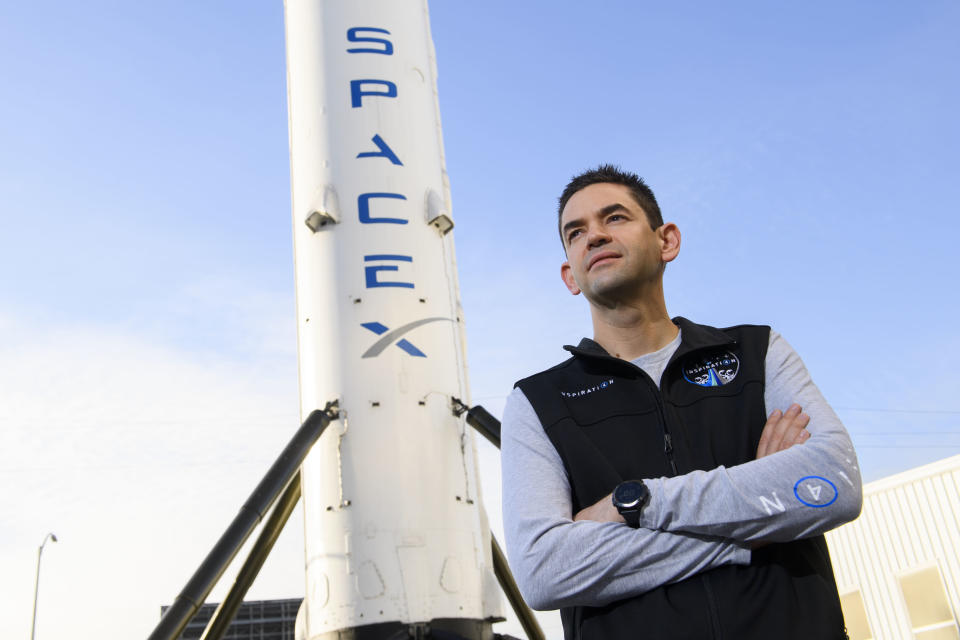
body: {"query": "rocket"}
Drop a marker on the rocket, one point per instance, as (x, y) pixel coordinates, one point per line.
(397, 544)
(396, 538)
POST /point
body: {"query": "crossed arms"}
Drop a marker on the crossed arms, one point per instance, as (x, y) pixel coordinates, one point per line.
(693, 522)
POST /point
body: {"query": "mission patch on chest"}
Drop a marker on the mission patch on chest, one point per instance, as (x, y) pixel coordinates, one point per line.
(711, 368)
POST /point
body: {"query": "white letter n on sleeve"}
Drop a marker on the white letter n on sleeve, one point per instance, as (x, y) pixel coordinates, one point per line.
(770, 505)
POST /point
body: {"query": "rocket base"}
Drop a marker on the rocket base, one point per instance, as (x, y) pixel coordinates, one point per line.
(436, 629)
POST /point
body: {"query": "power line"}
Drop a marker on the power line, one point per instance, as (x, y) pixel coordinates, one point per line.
(909, 446)
(930, 411)
(866, 435)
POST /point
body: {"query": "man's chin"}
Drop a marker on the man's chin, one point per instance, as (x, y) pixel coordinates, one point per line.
(609, 292)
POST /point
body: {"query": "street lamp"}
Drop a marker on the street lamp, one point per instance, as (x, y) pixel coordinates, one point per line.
(36, 586)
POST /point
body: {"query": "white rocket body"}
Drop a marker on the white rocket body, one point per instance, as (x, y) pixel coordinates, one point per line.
(395, 532)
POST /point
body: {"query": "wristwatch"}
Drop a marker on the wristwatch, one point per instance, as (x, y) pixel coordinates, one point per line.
(629, 498)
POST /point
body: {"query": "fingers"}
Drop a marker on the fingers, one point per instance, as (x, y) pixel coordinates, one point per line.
(783, 430)
(791, 428)
(767, 433)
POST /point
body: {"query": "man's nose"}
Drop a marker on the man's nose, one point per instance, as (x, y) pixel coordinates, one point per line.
(596, 236)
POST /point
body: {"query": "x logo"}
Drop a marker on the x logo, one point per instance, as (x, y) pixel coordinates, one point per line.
(389, 337)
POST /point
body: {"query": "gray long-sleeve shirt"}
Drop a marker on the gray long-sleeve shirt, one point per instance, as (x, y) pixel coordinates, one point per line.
(693, 522)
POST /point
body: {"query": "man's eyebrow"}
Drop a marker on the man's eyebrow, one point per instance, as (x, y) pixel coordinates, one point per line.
(610, 208)
(605, 211)
(573, 223)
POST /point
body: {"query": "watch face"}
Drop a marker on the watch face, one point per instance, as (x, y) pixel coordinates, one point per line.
(629, 493)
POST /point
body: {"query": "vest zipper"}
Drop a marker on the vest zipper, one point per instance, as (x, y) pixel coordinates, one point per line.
(667, 438)
(668, 448)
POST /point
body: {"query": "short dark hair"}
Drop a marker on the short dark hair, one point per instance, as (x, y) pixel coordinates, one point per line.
(641, 193)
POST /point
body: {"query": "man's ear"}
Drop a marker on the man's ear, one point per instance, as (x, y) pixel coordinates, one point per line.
(566, 273)
(668, 235)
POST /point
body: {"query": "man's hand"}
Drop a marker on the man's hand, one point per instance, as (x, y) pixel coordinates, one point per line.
(783, 430)
(602, 511)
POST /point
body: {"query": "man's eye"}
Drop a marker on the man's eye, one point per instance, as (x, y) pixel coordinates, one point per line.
(574, 234)
(615, 216)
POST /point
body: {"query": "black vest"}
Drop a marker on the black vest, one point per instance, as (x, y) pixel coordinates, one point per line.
(609, 422)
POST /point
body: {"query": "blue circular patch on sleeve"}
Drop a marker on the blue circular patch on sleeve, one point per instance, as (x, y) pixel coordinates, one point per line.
(815, 491)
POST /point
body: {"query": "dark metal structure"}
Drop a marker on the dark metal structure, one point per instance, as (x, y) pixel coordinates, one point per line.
(254, 620)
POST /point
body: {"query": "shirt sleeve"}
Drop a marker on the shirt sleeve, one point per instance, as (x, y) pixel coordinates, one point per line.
(799, 492)
(558, 562)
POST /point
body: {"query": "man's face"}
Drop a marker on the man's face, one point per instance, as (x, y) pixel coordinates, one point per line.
(612, 253)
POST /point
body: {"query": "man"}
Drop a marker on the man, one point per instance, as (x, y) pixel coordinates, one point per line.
(670, 479)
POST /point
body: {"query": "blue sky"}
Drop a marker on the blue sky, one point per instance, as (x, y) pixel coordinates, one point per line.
(148, 350)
